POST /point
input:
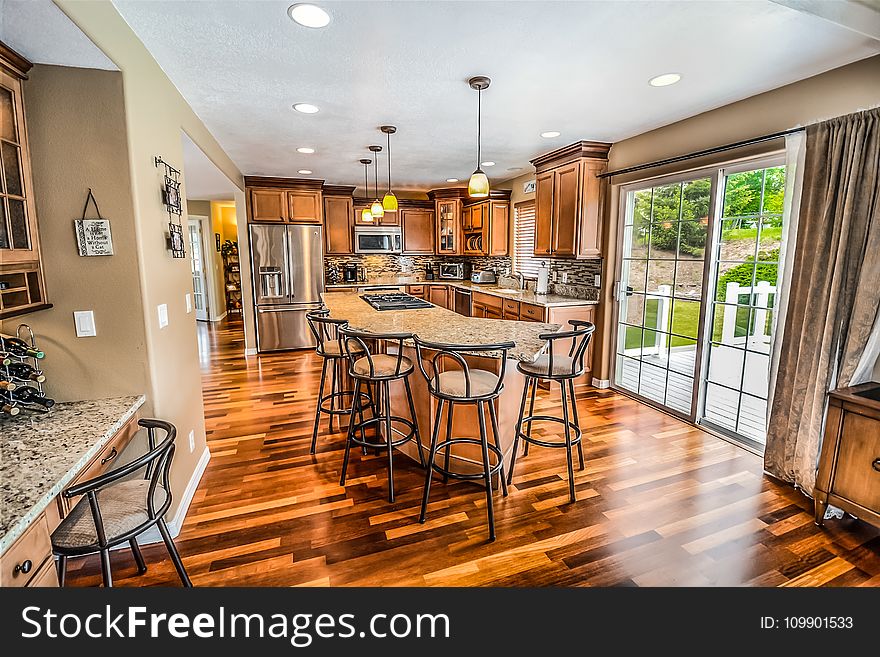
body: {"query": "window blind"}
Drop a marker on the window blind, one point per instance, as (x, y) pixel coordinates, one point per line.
(524, 260)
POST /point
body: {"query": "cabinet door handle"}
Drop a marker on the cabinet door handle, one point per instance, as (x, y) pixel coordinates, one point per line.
(112, 455)
(876, 464)
(24, 567)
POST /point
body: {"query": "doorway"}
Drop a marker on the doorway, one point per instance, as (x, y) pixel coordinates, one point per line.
(200, 287)
(696, 292)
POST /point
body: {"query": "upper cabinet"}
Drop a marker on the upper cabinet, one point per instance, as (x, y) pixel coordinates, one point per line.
(338, 212)
(485, 225)
(387, 219)
(448, 229)
(21, 272)
(284, 200)
(417, 227)
(569, 200)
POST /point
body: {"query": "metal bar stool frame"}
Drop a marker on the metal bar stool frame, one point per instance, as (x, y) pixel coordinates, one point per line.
(454, 352)
(580, 339)
(325, 329)
(356, 350)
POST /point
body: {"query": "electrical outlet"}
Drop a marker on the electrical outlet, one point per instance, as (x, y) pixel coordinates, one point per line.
(163, 315)
(597, 280)
(564, 277)
(189, 303)
(192, 441)
(84, 320)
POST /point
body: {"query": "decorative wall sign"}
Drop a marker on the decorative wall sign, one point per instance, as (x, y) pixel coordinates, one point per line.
(217, 241)
(528, 187)
(93, 235)
(173, 206)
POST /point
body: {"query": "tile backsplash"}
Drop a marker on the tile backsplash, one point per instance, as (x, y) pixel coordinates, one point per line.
(580, 282)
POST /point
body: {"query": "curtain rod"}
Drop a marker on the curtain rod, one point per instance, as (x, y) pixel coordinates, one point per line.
(708, 151)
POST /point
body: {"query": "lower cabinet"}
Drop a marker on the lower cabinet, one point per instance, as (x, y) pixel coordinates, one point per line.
(25, 562)
(416, 291)
(439, 295)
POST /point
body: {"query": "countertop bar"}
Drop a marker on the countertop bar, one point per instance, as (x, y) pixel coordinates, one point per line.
(437, 324)
(40, 455)
(526, 296)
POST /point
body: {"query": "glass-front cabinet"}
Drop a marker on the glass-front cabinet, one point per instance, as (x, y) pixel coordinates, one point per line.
(21, 278)
(448, 211)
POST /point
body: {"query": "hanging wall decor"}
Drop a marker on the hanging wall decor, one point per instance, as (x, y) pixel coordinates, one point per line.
(174, 207)
(93, 235)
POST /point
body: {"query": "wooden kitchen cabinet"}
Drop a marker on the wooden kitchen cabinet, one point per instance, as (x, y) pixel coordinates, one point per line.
(486, 228)
(439, 295)
(338, 213)
(284, 200)
(569, 200)
(268, 205)
(21, 268)
(417, 228)
(849, 463)
(416, 290)
(448, 229)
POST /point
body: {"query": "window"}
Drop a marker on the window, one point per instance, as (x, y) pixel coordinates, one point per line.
(524, 260)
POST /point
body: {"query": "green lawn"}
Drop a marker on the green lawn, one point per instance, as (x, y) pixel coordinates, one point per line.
(768, 233)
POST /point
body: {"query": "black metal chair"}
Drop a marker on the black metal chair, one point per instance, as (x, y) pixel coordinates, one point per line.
(329, 348)
(564, 369)
(368, 368)
(464, 386)
(115, 510)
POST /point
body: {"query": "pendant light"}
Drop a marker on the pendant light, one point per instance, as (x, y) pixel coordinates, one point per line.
(389, 201)
(376, 208)
(366, 215)
(478, 185)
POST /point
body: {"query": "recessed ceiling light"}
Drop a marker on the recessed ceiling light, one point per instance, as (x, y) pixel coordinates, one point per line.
(487, 163)
(308, 15)
(664, 80)
(304, 172)
(306, 108)
(452, 180)
(305, 149)
(550, 134)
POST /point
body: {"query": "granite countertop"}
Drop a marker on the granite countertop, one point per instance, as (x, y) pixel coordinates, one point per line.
(526, 296)
(437, 324)
(40, 455)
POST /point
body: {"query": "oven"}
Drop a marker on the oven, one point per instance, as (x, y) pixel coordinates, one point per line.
(377, 239)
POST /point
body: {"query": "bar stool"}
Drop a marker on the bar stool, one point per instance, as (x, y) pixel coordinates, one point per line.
(329, 348)
(369, 368)
(564, 369)
(115, 508)
(464, 386)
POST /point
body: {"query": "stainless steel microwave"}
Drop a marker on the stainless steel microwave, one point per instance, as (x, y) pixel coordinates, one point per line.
(377, 239)
(453, 270)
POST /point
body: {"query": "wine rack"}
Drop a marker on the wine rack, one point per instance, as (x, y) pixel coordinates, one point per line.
(19, 370)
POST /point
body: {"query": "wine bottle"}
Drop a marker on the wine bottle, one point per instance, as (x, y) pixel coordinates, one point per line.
(7, 385)
(18, 347)
(25, 372)
(29, 395)
(9, 409)
(4, 358)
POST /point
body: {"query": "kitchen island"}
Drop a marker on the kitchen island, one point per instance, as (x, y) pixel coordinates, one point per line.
(436, 324)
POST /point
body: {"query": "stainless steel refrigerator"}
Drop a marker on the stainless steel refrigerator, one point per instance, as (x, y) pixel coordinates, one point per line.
(288, 278)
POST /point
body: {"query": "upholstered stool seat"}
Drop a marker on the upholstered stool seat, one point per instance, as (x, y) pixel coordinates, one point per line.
(454, 383)
(383, 365)
(562, 366)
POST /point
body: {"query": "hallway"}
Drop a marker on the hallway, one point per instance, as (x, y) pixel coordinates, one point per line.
(660, 503)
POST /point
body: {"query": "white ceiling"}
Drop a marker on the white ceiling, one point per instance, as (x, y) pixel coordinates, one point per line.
(41, 32)
(202, 179)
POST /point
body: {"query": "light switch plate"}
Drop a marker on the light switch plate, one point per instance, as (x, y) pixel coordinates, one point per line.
(597, 280)
(163, 315)
(189, 303)
(192, 441)
(85, 323)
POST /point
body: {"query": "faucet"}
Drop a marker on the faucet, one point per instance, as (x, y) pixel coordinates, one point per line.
(517, 275)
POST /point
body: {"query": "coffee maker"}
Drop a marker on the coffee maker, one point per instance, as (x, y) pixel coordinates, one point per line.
(352, 273)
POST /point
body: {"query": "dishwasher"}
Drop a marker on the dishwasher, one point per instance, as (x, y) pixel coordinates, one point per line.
(463, 302)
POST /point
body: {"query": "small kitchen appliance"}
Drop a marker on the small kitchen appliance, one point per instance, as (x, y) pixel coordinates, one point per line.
(452, 270)
(483, 276)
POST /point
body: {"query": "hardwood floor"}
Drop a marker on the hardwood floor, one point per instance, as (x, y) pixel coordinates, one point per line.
(660, 503)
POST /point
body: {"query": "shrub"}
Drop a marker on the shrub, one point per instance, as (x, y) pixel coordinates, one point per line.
(742, 273)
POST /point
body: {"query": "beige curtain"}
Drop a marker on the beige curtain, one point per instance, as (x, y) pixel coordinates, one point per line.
(834, 290)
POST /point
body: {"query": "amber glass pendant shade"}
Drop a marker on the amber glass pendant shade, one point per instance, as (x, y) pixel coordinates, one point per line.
(478, 185)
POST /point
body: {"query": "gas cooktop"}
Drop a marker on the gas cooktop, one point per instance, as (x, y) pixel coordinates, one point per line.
(395, 301)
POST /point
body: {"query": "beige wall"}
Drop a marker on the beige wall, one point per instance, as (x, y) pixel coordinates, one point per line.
(837, 92)
(156, 114)
(201, 208)
(515, 185)
(76, 125)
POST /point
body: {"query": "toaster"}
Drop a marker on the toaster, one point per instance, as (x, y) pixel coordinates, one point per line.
(483, 276)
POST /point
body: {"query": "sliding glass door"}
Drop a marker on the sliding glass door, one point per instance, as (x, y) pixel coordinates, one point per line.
(696, 291)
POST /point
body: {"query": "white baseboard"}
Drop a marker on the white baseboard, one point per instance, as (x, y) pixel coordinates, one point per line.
(601, 383)
(221, 317)
(250, 352)
(176, 523)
